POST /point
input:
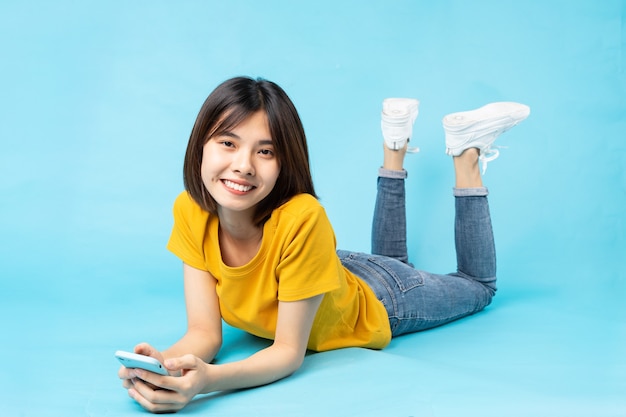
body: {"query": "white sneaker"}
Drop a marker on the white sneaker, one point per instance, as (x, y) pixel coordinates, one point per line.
(397, 118)
(479, 128)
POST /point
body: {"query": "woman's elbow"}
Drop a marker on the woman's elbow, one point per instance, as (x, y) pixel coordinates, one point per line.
(293, 358)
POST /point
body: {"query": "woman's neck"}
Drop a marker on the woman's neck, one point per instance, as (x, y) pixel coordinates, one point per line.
(240, 239)
(238, 225)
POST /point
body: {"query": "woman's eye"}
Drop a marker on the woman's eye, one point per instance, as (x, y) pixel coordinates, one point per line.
(266, 152)
(227, 143)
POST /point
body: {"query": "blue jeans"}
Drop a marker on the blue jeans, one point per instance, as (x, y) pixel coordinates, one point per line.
(418, 300)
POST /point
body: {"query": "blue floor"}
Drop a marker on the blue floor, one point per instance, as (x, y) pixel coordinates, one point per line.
(97, 100)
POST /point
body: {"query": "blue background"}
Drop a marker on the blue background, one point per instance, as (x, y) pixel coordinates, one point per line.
(97, 100)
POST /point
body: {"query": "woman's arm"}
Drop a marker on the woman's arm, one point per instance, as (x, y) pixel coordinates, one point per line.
(204, 321)
(204, 324)
(279, 360)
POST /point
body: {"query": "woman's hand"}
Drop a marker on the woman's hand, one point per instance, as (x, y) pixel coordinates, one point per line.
(159, 394)
(126, 374)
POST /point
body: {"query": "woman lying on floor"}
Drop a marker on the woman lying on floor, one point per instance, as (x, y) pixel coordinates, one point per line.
(259, 252)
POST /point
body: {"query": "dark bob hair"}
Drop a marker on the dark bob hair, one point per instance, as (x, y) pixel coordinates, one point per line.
(230, 104)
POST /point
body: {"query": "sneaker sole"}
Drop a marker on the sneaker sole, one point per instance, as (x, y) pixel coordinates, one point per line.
(479, 128)
(494, 112)
(397, 119)
(394, 107)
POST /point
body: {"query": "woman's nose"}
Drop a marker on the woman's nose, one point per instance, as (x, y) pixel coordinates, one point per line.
(242, 164)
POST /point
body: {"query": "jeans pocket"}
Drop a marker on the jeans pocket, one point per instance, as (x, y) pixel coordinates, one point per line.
(405, 276)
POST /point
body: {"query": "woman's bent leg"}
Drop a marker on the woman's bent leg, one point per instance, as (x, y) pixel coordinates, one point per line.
(389, 223)
(475, 247)
(418, 300)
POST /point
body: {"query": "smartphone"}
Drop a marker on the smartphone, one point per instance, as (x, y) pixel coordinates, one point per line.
(135, 360)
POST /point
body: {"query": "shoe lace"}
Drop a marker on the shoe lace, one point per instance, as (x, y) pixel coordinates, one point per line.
(412, 149)
(487, 155)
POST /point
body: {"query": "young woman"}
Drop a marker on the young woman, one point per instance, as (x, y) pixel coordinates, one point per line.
(259, 252)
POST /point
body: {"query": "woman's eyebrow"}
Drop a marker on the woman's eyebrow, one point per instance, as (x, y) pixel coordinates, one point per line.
(229, 134)
(262, 142)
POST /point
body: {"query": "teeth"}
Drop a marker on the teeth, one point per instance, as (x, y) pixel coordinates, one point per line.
(238, 187)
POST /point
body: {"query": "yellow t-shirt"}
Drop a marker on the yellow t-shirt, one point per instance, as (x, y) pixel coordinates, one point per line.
(296, 260)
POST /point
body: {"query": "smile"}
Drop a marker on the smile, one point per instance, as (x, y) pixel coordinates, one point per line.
(237, 187)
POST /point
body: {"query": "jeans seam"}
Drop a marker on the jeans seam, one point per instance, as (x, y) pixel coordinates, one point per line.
(396, 278)
(380, 279)
(468, 277)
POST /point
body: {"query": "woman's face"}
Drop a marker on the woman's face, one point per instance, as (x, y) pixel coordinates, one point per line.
(239, 166)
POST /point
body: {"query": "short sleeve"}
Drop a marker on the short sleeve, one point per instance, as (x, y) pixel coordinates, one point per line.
(190, 224)
(309, 265)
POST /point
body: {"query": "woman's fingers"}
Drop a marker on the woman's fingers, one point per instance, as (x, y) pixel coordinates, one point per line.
(183, 363)
(146, 349)
(159, 393)
(156, 400)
